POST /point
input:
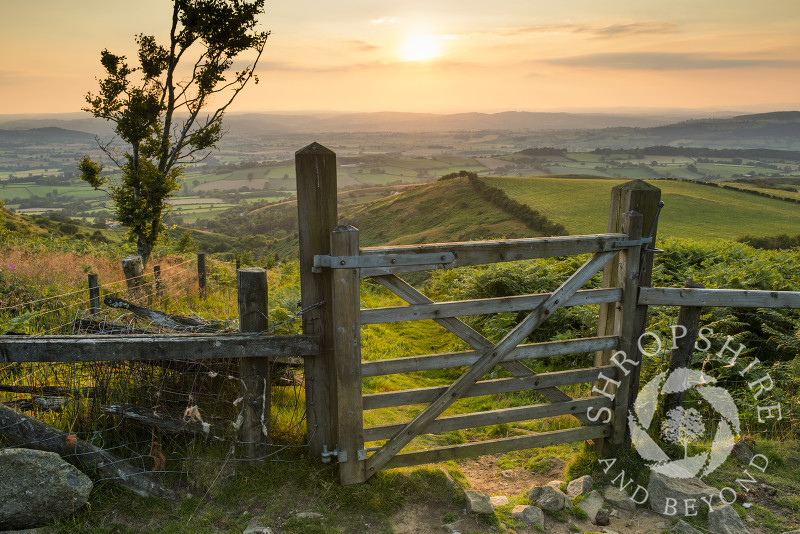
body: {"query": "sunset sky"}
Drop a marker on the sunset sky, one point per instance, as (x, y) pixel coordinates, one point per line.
(442, 56)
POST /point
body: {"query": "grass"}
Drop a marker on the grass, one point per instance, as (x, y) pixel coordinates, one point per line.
(691, 210)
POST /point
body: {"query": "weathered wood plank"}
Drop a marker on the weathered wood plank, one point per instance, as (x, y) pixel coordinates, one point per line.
(441, 310)
(681, 354)
(487, 360)
(462, 359)
(725, 298)
(494, 417)
(346, 301)
(68, 349)
(497, 446)
(482, 252)
(388, 399)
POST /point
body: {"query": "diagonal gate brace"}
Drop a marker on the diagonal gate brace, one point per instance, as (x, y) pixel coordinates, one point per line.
(487, 361)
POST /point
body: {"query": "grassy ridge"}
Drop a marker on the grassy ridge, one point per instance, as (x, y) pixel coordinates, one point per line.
(691, 210)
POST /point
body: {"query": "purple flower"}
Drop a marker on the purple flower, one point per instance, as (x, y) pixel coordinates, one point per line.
(10, 266)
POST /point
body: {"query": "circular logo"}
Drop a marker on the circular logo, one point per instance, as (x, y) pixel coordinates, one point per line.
(684, 425)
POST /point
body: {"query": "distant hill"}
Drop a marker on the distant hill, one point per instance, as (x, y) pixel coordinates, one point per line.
(43, 136)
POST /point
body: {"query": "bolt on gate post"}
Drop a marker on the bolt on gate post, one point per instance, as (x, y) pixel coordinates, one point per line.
(637, 196)
(315, 166)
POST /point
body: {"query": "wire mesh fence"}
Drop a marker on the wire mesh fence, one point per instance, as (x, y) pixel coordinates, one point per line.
(160, 415)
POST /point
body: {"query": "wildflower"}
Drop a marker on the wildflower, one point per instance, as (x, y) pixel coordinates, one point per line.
(10, 266)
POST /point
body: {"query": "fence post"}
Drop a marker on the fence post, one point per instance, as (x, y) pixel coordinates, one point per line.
(94, 294)
(201, 274)
(346, 300)
(681, 354)
(157, 278)
(254, 372)
(643, 198)
(133, 269)
(316, 209)
(625, 325)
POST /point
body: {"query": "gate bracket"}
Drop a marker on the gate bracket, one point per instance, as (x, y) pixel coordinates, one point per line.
(633, 242)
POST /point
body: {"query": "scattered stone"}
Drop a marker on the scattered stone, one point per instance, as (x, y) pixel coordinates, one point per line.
(37, 488)
(792, 532)
(549, 498)
(508, 473)
(683, 492)
(498, 500)
(579, 486)
(308, 515)
(768, 490)
(530, 515)
(478, 502)
(685, 528)
(602, 518)
(724, 520)
(592, 504)
(255, 527)
(556, 483)
(453, 528)
(554, 462)
(619, 498)
(743, 449)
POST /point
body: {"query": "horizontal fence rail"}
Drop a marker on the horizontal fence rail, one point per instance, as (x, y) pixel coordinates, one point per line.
(720, 298)
(431, 362)
(153, 347)
(389, 399)
(483, 252)
(441, 310)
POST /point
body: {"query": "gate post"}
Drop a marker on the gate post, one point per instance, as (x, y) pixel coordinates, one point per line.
(315, 166)
(254, 372)
(639, 196)
(681, 355)
(346, 305)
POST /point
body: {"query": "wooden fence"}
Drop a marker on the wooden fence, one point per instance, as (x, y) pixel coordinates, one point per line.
(332, 264)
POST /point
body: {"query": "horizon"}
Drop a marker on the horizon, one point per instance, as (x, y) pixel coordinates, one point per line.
(451, 57)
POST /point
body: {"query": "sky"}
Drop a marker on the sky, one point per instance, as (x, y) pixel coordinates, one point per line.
(441, 56)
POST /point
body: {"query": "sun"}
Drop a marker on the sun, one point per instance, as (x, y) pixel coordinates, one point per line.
(421, 47)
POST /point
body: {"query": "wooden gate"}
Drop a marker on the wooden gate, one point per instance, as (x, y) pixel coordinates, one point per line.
(602, 416)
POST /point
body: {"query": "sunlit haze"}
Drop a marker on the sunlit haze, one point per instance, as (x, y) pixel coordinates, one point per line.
(445, 56)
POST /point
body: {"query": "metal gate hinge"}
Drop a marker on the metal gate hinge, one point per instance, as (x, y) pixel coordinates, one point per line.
(362, 455)
(382, 260)
(342, 457)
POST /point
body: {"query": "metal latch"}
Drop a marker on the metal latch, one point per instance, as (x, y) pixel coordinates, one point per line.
(382, 260)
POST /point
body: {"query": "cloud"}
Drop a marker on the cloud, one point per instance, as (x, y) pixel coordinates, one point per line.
(604, 32)
(363, 46)
(384, 20)
(666, 61)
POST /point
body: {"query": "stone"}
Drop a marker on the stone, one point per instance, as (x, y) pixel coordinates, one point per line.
(308, 515)
(768, 490)
(602, 519)
(478, 502)
(685, 528)
(530, 515)
(549, 498)
(255, 527)
(579, 486)
(724, 520)
(37, 488)
(661, 487)
(743, 449)
(619, 498)
(792, 532)
(498, 500)
(556, 483)
(592, 504)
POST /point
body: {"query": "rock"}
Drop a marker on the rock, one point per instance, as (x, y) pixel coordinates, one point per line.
(683, 492)
(508, 473)
(619, 498)
(498, 500)
(743, 449)
(792, 532)
(592, 504)
(768, 490)
(685, 528)
(37, 488)
(255, 527)
(478, 502)
(724, 520)
(579, 486)
(530, 515)
(556, 483)
(549, 498)
(602, 519)
(308, 515)
(454, 527)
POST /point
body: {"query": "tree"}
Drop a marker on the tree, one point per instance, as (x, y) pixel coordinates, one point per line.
(156, 106)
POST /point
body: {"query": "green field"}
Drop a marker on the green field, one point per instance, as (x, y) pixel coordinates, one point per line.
(691, 210)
